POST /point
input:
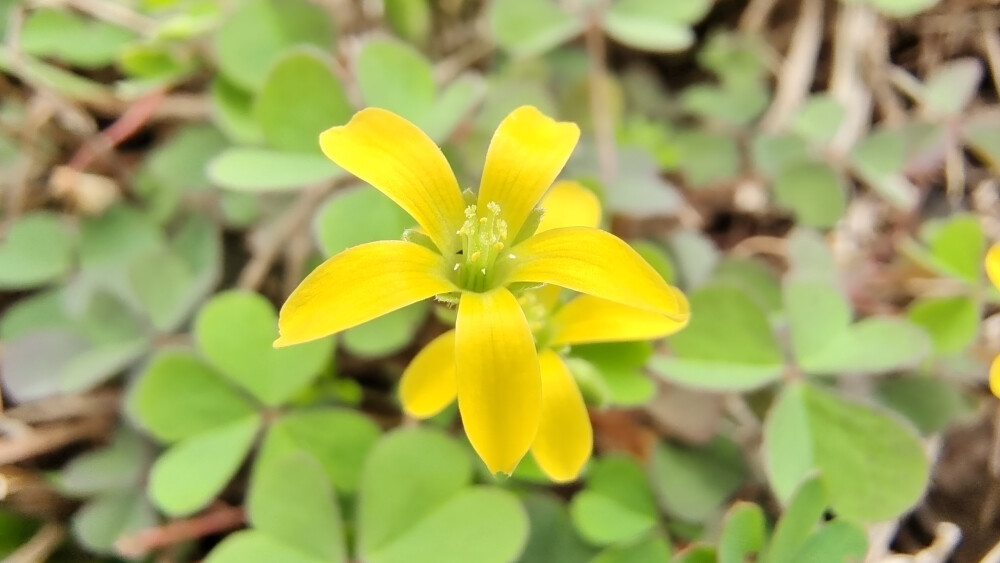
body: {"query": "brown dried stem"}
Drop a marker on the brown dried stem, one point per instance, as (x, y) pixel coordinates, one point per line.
(856, 23)
(101, 402)
(284, 228)
(991, 45)
(106, 10)
(796, 75)
(220, 518)
(38, 441)
(604, 133)
(134, 117)
(755, 15)
(40, 546)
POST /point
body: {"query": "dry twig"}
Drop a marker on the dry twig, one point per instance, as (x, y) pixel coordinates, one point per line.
(295, 217)
(855, 25)
(48, 438)
(991, 45)
(796, 76)
(40, 546)
(134, 117)
(218, 519)
(97, 403)
(755, 15)
(117, 13)
(604, 133)
(449, 68)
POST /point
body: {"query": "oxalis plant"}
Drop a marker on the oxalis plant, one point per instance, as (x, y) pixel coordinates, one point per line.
(506, 281)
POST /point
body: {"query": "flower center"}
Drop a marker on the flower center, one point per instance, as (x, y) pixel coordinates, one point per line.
(484, 237)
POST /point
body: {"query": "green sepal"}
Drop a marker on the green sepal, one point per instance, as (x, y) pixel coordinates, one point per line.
(416, 236)
(517, 288)
(530, 226)
(449, 298)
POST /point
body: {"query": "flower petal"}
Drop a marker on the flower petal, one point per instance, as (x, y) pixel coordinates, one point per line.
(527, 152)
(428, 383)
(357, 285)
(597, 263)
(396, 157)
(499, 386)
(565, 437)
(547, 295)
(569, 204)
(995, 376)
(993, 264)
(587, 319)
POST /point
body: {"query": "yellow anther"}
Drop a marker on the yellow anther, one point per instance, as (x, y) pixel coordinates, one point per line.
(475, 256)
(497, 247)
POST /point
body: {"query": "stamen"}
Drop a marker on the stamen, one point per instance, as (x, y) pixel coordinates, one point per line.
(483, 239)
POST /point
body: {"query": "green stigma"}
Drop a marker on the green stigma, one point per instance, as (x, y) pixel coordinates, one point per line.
(484, 238)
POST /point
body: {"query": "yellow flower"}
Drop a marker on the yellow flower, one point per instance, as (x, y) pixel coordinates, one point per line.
(565, 438)
(470, 250)
(993, 272)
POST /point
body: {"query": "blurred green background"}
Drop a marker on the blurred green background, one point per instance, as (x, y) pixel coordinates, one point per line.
(819, 177)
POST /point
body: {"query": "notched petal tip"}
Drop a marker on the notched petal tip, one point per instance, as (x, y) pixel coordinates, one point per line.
(397, 158)
(526, 153)
(598, 263)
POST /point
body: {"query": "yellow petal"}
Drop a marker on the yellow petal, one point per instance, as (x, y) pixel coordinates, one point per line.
(565, 438)
(569, 204)
(499, 386)
(597, 263)
(993, 264)
(588, 319)
(526, 154)
(547, 295)
(995, 376)
(428, 383)
(357, 285)
(396, 157)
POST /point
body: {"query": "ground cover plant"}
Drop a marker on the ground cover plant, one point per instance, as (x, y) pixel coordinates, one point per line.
(523, 280)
